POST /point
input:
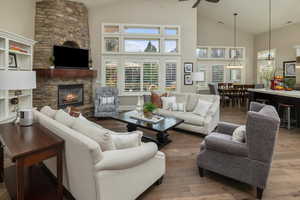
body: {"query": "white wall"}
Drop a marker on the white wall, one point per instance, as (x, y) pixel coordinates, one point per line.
(17, 16)
(283, 40)
(158, 12)
(211, 33)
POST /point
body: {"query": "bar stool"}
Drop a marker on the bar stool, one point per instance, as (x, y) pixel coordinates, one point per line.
(286, 118)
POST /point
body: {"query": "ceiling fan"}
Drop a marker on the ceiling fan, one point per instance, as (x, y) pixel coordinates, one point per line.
(198, 1)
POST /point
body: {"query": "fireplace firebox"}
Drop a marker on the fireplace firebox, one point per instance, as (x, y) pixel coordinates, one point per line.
(70, 95)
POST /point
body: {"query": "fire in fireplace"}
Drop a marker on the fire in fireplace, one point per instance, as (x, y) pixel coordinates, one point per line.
(70, 95)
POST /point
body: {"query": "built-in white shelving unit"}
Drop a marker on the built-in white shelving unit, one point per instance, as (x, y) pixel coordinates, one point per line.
(18, 48)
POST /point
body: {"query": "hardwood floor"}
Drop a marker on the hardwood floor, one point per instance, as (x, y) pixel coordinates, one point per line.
(182, 181)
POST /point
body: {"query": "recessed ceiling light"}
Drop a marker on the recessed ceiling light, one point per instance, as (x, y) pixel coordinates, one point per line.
(289, 22)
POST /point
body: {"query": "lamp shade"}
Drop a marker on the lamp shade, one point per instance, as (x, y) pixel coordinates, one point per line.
(198, 76)
(17, 80)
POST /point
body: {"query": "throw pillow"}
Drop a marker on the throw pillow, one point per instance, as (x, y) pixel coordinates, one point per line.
(64, 118)
(107, 100)
(167, 102)
(101, 136)
(239, 134)
(202, 108)
(127, 140)
(48, 111)
(156, 99)
(178, 107)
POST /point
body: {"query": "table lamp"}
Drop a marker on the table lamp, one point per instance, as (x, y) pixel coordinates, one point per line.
(198, 77)
(17, 80)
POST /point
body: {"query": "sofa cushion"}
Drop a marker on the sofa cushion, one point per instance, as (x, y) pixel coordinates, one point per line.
(46, 110)
(202, 108)
(192, 102)
(101, 136)
(188, 117)
(180, 97)
(127, 140)
(223, 143)
(167, 102)
(64, 118)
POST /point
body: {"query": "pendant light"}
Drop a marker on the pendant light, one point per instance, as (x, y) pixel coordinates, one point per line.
(270, 58)
(235, 64)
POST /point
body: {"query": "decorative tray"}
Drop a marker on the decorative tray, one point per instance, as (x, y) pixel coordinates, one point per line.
(154, 120)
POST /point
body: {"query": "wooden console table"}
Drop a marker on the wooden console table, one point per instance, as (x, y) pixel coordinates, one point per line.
(27, 147)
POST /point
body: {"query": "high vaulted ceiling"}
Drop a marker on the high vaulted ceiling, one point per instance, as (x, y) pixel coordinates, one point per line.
(253, 14)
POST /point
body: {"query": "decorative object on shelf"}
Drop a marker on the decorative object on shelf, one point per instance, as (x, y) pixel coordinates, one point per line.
(198, 77)
(289, 69)
(12, 62)
(188, 67)
(149, 109)
(17, 49)
(270, 58)
(51, 62)
(234, 52)
(17, 80)
(188, 79)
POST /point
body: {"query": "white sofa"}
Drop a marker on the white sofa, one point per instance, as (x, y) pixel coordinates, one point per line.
(90, 174)
(193, 122)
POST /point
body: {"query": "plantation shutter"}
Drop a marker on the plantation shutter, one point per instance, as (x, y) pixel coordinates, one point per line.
(111, 73)
(171, 76)
(132, 77)
(150, 76)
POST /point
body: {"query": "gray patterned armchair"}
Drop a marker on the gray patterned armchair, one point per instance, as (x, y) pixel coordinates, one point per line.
(106, 109)
(248, 162)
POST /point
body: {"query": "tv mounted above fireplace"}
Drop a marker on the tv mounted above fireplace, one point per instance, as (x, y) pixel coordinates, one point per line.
(72, 58)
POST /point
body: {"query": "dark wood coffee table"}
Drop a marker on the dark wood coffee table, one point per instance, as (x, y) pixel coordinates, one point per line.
(162, 137)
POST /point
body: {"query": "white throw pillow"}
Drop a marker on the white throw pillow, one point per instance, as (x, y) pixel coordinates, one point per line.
(178, 107)
(202, 108)
(64, 118)
(48, 111)
(168, 102)
(107, 100)
(101, 136)
(239, 134)
(127, 140)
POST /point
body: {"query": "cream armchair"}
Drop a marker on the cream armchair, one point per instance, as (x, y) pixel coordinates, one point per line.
(92, 174)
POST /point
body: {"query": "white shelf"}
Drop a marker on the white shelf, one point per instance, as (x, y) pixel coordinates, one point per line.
(20, 53)
(22, 95)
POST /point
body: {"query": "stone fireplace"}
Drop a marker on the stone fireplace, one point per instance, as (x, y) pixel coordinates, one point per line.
(61, 22)
(70, 95)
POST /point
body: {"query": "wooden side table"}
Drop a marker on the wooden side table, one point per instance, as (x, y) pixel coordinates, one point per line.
(28, 146)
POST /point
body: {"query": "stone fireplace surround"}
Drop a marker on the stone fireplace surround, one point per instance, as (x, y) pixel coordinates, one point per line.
(56, 22)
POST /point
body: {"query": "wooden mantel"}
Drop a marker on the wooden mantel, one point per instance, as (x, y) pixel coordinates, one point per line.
(65, 73)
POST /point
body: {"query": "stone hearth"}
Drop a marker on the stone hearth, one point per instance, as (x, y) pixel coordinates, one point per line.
(56, 22)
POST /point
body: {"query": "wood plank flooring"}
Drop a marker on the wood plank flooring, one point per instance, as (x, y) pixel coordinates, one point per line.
(182, 181)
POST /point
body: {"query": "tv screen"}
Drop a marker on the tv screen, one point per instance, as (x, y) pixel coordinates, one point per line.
(66, 57)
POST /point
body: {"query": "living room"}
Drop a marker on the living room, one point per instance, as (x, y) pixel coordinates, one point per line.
(173, 99)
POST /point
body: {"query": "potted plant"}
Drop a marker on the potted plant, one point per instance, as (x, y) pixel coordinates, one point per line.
(289, 83)
(51, 62)
(148, 110)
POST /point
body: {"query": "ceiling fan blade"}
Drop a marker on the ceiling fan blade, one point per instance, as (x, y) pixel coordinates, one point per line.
(196, 4)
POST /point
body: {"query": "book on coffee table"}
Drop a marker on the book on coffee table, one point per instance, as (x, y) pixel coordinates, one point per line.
(154, 120)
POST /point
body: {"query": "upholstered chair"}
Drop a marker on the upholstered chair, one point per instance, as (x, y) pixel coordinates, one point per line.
(248, 162)
(106, 102)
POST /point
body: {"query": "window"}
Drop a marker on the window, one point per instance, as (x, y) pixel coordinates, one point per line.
(142, 30)
(171, 76)
(132, 77)
(111, 72)
(171, 46)
(150, 76)
(217, 73)
(139, 45)
(235, 75)
(111, 44)
(218, 52)
(238, 53)
(202, 52)
(137, 57)
(171, 31)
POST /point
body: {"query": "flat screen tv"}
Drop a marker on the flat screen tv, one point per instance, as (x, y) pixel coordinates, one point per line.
(73, 58)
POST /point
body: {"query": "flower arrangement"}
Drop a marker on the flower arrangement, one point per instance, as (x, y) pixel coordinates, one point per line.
(148, 109)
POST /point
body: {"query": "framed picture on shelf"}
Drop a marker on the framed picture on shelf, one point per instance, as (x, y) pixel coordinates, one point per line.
(188, 79)
(12, 60)
(289, 69)
(188, 67)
